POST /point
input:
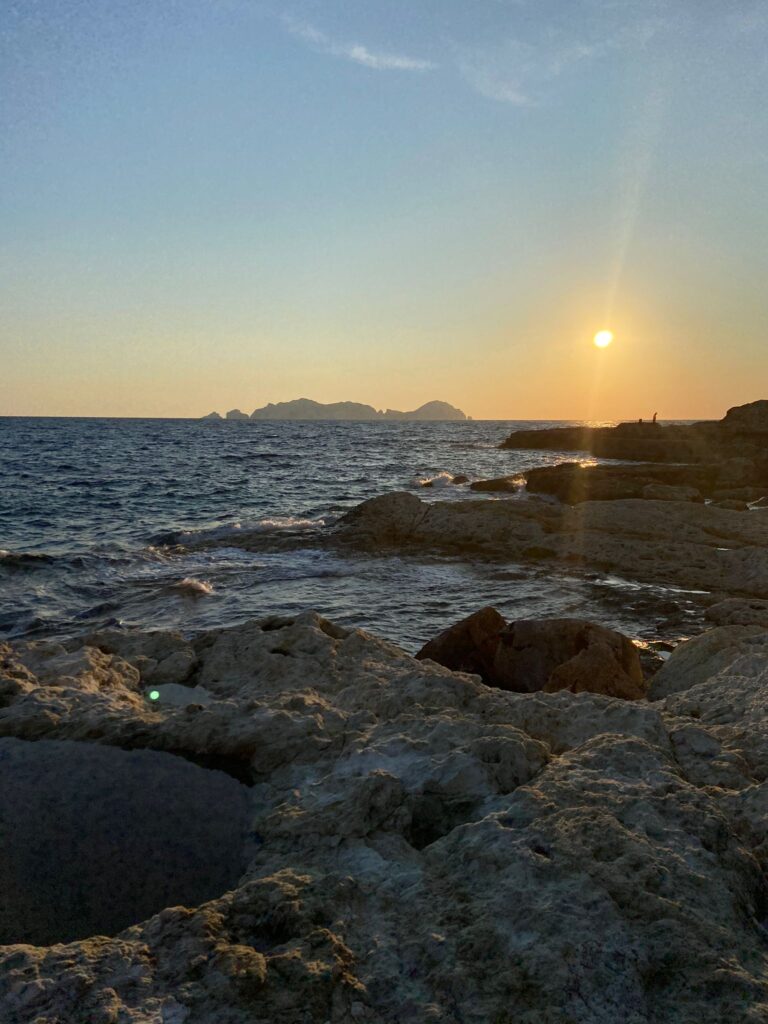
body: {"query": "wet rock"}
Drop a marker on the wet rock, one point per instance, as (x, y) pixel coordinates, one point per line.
(543, 654)
(733, 504)
(460, 479)
(502, 484)
(665, 492)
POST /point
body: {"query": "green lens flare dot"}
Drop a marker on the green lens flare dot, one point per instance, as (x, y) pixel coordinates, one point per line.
(154, 695)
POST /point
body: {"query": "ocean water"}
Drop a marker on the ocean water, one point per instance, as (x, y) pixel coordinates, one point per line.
(97, 518)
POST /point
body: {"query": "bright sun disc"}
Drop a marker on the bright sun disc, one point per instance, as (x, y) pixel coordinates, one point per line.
(603, 339)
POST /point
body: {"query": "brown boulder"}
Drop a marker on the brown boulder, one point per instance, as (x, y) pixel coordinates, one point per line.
(596, 669)
(469, 645)
(540, 654)
(557, 654)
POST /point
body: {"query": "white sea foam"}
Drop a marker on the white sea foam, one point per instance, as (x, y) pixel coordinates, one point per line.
(193, 587)
(440, 480)
(289, 523)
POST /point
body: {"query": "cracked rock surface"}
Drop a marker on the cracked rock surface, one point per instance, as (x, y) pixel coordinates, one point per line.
(422, 847)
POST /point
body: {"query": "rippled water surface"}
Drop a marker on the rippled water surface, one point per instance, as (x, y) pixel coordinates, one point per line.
(94, 516)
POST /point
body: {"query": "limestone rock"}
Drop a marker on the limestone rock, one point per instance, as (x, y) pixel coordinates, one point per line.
(160, 657)
(423, 847)
(687, 544)
(665, 492)
(703, 657)
(739, 612)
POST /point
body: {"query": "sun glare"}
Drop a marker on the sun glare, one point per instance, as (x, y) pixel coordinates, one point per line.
(603, 339)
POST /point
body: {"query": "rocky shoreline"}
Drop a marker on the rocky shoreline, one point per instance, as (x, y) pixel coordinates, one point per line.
(419, 845)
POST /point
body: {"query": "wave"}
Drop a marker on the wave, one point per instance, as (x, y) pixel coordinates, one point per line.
(291, 523)
(24, 560)
(439, 480)
(232, 531)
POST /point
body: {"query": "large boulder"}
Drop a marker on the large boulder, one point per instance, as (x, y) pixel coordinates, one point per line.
(751, 418)
(469, 645)
(738, 611)
(571, 654)
(540, 654)
(704, 656)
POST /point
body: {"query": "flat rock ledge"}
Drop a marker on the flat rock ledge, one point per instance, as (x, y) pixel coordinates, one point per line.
(423, 847)
(683, 543)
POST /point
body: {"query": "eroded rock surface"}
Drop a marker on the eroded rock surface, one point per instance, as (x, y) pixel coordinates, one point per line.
(426, 848)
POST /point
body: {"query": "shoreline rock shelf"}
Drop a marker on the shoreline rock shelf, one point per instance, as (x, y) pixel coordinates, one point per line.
(422, 846)
(684, 543)
(742, 433)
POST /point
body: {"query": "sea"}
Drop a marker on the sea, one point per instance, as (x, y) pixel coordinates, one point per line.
(103, 524)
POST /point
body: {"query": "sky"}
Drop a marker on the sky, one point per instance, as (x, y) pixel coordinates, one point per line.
(209, 204)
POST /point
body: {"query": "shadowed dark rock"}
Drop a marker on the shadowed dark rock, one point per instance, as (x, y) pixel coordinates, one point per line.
(94, 839)
(469, 645)
(498, 484)
(741, 435)
(573, 483)
(570, 654)
(540, 654)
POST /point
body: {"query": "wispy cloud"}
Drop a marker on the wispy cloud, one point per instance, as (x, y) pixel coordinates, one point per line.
(517, 72)
(355, 52)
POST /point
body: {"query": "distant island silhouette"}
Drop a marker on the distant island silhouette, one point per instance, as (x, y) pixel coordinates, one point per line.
(307, 409)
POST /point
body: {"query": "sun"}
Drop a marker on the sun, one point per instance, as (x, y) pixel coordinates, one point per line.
(603, 339)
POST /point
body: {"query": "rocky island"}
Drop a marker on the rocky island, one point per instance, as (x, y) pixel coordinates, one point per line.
(307, 409)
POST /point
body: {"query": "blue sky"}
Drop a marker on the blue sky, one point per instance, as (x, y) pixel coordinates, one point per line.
(217, 204)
